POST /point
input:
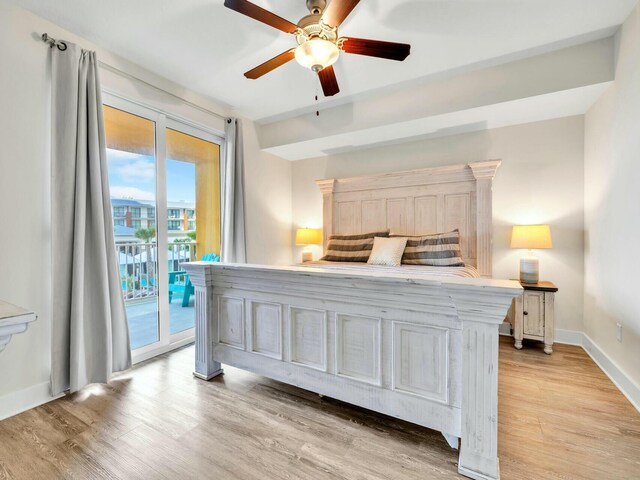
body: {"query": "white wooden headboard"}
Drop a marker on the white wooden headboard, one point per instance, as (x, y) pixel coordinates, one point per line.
(417, 202)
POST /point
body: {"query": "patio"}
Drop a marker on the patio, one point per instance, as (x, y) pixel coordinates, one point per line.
(143, 319)
(138, 268)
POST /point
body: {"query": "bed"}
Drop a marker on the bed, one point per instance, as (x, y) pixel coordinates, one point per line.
(463, 272)
(417, 343)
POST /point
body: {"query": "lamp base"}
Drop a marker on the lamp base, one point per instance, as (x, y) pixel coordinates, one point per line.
(307, 256)
(529, 270)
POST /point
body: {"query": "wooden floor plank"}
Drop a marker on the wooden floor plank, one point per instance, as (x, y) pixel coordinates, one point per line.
(559, 417)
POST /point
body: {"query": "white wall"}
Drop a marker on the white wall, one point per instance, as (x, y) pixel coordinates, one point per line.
(612, 209)
(25, 266)
(268, 197)
(540, 181)
(25, 263)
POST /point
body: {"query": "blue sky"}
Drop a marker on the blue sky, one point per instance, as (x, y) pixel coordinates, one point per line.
(133, 176)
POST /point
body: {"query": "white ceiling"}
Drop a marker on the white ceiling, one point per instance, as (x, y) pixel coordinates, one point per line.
(205, 47)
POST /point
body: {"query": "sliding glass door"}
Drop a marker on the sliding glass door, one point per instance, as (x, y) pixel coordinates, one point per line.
(193, 214)
(164, 177)
(131, 156)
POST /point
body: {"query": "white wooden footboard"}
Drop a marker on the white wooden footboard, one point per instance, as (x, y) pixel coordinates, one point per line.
(422, 350)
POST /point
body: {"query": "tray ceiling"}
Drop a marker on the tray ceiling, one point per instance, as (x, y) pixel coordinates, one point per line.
(205, 47)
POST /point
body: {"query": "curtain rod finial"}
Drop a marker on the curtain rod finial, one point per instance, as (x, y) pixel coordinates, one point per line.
(52, 42)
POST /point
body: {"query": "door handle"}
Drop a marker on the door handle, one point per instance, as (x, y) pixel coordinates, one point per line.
(525, 313)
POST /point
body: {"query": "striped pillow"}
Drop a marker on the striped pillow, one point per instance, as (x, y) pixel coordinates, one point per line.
(351, 248)
(436, 250)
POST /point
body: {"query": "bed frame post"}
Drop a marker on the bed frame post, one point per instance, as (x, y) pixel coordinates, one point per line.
(481, 314)
(484, 172)
(206, 368)
(327, 188)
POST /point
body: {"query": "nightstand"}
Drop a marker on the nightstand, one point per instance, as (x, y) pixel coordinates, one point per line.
(534, 314)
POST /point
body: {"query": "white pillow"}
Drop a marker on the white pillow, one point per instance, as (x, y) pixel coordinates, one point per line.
(387, 251)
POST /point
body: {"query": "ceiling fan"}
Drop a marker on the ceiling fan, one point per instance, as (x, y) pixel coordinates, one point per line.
(319, 45)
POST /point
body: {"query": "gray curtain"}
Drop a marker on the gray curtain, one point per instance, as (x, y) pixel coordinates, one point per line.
(90, 338)
(233, 245)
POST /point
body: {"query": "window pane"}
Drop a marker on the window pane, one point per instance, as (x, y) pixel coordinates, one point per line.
(132, 178)
(193, 201)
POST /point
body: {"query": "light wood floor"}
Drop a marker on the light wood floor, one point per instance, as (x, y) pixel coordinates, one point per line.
(560, 417)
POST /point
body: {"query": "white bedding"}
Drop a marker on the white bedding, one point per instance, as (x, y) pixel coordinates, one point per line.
(466, 271)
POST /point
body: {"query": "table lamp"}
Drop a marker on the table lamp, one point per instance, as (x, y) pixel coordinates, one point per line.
(308, 236)
(530, 237)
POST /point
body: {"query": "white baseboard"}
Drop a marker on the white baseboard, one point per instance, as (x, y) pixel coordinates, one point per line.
(26, 399)
(625, 384)
(568, 337)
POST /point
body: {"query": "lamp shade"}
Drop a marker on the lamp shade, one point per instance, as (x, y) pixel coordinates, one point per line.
(317, 54)
(308, 236)
(531, 236)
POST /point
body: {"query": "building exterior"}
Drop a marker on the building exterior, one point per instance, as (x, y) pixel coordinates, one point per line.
(130, 214)
(181, 217)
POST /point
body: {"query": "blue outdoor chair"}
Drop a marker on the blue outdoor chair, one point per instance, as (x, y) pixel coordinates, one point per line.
(210, 257)
(184, 287)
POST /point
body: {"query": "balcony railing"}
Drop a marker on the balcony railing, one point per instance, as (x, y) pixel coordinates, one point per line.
(138, 263)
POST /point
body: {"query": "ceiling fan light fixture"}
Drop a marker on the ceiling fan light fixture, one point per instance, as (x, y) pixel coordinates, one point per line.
(319, 44)
(317, 54)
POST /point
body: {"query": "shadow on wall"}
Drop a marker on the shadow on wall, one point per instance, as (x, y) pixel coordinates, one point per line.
(441, 132)
(506, 259)
(267, 203)
(558, 264)
(610, 295)
(601, 327)
(433, 152)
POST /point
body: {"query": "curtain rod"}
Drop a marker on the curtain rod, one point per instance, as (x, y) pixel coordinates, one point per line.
(62, 46)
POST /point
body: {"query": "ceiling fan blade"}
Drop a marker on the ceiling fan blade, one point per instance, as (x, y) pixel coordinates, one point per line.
(272, 64)
(376, 48)
(337, 11)
(328, 81)
(260, 14)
